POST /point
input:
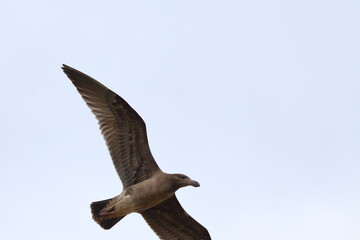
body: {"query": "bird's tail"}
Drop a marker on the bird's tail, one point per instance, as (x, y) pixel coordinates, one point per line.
(104, 222)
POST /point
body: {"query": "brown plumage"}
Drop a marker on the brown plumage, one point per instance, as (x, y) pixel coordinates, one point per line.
(146, 189)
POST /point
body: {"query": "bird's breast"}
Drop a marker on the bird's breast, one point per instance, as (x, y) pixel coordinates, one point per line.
(145, 195)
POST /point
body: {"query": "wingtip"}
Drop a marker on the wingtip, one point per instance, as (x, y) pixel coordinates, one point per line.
(69, 70)
(64, 67)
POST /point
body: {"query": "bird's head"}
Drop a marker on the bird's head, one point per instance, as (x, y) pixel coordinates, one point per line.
(183, 180)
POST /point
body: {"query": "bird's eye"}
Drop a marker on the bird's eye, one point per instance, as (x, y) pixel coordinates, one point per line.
(182, 177)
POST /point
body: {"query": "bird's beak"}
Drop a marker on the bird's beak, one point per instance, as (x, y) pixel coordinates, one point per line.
(195, 183)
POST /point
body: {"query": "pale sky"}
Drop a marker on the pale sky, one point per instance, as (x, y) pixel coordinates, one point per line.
(257, 100)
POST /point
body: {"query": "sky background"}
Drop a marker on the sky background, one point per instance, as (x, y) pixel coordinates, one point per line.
(257, 100)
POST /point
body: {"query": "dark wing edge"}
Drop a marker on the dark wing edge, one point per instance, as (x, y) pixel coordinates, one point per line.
(123, 129)
(170, 222)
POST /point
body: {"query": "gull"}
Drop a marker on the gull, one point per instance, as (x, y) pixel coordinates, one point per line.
(147, 190)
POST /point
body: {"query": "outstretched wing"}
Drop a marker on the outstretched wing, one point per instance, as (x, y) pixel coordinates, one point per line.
(170, 222)
(123, 129)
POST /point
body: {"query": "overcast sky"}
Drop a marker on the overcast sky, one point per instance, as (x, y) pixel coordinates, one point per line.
(257, 100)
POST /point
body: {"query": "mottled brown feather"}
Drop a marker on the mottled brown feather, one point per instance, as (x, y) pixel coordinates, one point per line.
(170, 222)
(123, 129)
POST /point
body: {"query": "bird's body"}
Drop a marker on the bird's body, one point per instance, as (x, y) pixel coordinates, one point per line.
(144, 195)
(141, 196)
(146, 189)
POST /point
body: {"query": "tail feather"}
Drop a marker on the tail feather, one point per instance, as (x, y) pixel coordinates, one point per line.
(96, 208)
(109, 223)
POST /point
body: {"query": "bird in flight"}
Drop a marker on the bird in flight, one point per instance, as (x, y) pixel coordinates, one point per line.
(146, 189)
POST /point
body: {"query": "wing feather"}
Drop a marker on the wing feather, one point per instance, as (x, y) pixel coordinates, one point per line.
(171, 222)
(123, 129)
